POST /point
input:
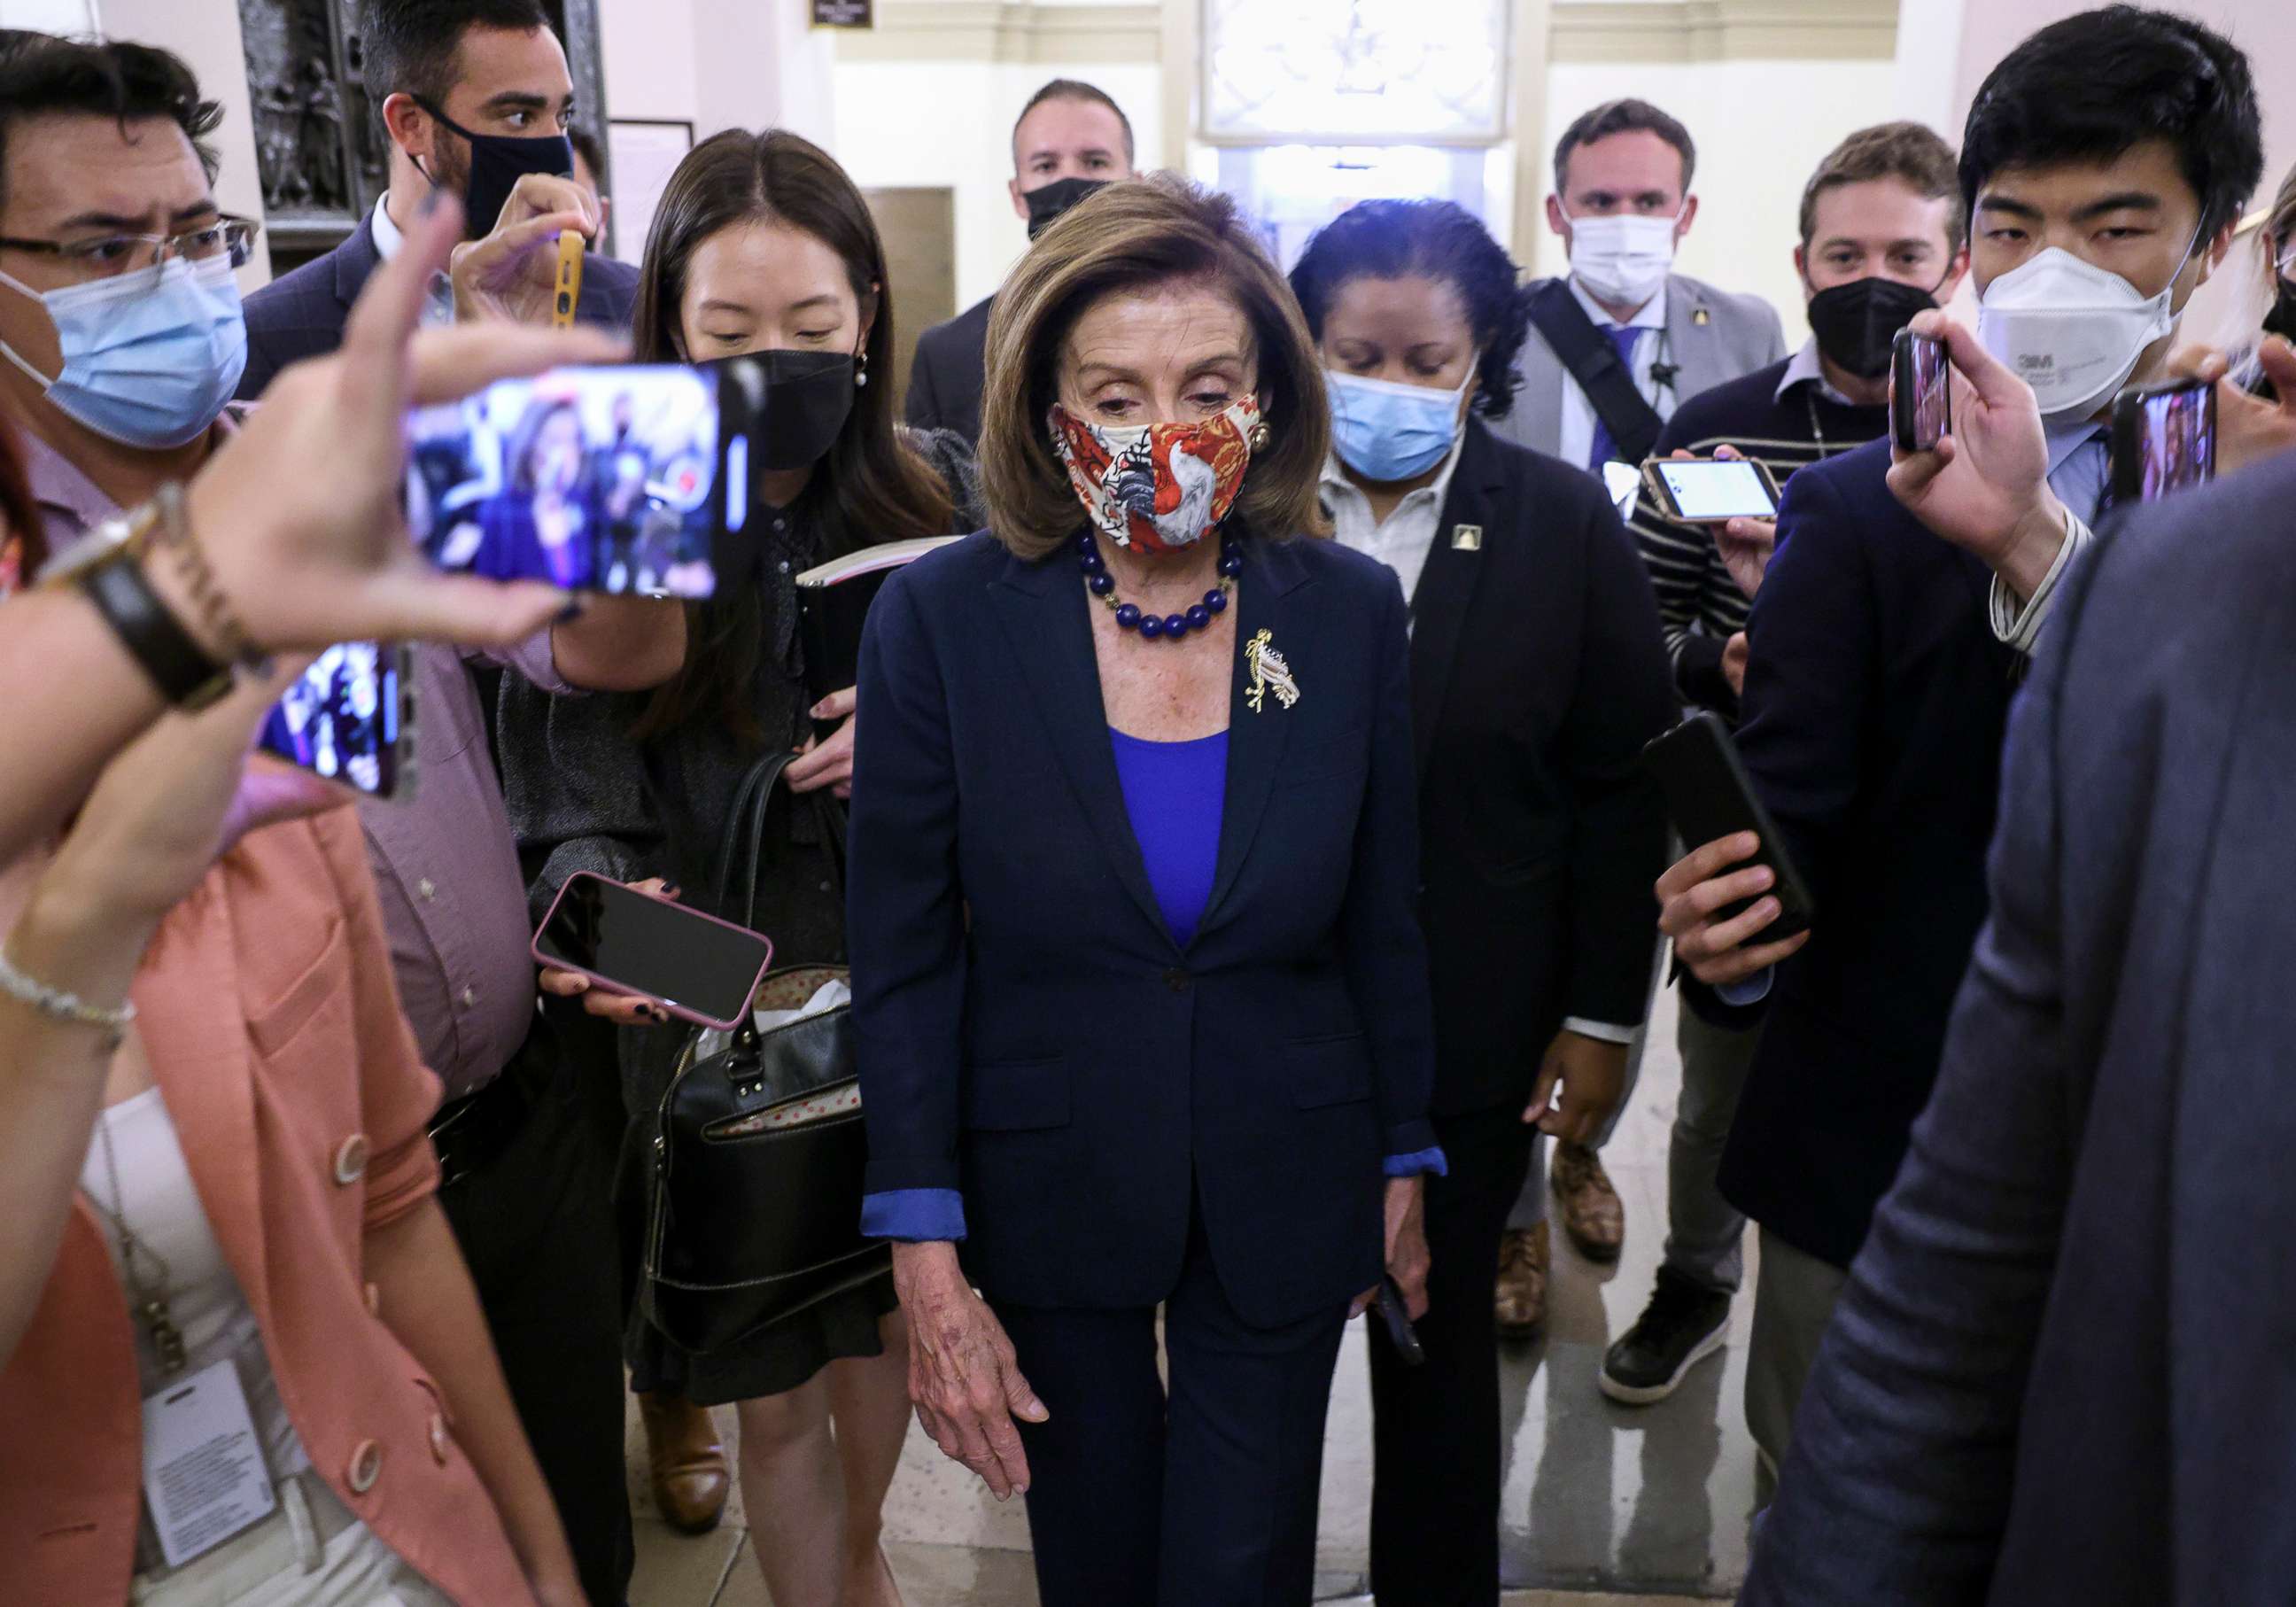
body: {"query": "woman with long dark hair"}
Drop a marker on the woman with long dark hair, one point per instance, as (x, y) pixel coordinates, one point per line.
(761, 247)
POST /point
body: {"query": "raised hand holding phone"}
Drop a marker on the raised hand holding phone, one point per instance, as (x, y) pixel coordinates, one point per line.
(1985, 486)
(2249, 429)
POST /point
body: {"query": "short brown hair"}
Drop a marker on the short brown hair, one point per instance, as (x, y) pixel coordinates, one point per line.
(1911, 153)
(1132, 237)
(1076, 89)
(1625, 116)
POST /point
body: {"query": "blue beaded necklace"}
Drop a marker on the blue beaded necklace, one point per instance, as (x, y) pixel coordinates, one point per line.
(1168, 627)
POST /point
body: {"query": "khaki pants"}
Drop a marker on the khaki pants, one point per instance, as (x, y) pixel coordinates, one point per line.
(1794, 1294)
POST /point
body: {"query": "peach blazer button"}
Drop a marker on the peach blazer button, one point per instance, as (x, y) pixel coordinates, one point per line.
(438, 1440)
(350, 1160)
(366, 1467)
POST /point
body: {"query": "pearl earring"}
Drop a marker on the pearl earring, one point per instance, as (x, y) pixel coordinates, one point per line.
(861, 375)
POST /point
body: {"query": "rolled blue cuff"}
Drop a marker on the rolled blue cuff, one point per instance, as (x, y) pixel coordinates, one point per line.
(1418, 1161)
(913, 1216)
(1746, 990)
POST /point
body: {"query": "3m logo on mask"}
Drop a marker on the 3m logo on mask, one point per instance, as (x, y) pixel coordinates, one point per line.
(2036, 363)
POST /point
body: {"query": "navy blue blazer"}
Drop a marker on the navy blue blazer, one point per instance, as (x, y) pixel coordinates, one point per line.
(1876, 697)
(947, 375)
(1030, 1035)
(2060, 1371)
(301, 313)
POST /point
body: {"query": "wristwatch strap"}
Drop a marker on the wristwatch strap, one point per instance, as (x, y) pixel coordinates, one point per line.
(183, 673)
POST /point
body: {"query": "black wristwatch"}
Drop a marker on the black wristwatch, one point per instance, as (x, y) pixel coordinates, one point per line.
(111, 576)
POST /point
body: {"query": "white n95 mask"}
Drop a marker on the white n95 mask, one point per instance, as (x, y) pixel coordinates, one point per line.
(2071, 330)
(1622, 260)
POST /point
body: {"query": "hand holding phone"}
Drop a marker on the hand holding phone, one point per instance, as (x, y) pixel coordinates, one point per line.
(1392, 1315)
(624, 941)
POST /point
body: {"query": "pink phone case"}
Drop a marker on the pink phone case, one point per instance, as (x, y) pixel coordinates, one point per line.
(624, 989)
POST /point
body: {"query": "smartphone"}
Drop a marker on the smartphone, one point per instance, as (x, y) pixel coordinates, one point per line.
(1396, 1317)
(350, 718)
(1711, 490)
(699, 968)
(1709, 795)
(1921, 392)
(571, 245)
(2164, 439)
(624, 478)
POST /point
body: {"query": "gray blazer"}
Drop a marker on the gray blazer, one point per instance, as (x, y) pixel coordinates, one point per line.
(2060, 1373)
(1712, 336)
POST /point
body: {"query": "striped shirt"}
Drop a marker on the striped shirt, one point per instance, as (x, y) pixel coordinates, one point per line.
(1785, 417)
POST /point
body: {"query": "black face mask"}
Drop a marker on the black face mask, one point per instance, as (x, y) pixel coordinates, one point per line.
(1855, 322)
(497, 163)
(799, 402)
(1047, 202)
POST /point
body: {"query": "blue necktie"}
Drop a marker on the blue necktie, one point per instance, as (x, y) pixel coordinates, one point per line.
(1606, 446)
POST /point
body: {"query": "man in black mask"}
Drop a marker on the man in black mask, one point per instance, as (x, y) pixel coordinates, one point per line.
(475, 100)
(1883, 236)
(1071, 139)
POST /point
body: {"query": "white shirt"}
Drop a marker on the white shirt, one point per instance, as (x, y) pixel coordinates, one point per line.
(438, 309)
(1402, 541)
(1578, 434)
(1805, 369)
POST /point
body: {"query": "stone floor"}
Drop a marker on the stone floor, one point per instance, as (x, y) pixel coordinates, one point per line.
(1604, 1506)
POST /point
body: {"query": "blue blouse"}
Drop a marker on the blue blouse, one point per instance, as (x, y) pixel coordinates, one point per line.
(1175, 794)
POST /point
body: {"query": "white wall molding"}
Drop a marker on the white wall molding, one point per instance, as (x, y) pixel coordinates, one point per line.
(1579, 30)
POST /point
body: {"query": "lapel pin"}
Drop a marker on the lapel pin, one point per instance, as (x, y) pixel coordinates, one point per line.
(1269, 670)
(1701, 317)
(1466, 538)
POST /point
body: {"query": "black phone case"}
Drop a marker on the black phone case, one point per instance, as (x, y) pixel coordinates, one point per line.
(1709, 795)
(2127, 437)
(1400, 1333)
(1902, 387)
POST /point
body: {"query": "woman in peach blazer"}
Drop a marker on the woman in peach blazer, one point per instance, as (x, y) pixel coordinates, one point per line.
(268, 1023)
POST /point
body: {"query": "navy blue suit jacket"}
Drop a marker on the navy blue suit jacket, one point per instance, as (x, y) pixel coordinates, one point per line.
(301, 313)
(2060, 1371)
(1029, 1032)
(1876, 697)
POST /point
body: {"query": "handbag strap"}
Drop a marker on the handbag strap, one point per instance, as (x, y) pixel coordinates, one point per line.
(742, 847)
(1594, 362)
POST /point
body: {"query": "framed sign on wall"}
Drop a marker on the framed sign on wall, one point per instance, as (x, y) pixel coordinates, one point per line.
(843, 13)
(642, 153)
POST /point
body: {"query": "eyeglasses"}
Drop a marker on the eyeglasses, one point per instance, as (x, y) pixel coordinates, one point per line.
(109, 255)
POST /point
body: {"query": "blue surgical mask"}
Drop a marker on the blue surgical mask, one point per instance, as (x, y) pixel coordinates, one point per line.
(1386, 431)
(149, 357)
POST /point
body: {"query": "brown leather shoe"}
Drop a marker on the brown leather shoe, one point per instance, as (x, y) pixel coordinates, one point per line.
(1591, 1212)
(1519, 1305)
(688, 1462)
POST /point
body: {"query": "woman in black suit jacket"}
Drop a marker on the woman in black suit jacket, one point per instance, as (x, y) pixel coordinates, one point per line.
(1537, 673)
(1139, 989)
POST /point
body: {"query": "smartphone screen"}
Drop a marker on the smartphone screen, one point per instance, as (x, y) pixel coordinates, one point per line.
(1922, 395)
(604, 480)
(1723, 489)
(654, 948)
(2164, 441)
(343, 719)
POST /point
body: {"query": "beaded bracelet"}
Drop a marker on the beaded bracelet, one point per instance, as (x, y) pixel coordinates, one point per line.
(172, 530)
(54, 1002)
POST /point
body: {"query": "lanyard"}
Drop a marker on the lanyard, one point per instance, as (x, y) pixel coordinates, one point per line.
(149, 1304)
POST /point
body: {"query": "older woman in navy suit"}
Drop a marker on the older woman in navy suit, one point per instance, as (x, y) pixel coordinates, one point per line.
(1141, 996)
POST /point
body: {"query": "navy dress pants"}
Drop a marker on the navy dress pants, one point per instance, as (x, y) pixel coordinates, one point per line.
(1206, 1498)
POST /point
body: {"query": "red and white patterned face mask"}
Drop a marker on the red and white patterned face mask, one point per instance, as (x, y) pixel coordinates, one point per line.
(1158, 488)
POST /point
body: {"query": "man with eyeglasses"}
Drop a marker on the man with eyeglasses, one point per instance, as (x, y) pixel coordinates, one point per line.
(121, 340)
(475, 101)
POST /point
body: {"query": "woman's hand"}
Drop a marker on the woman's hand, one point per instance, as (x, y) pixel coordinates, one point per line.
(963, 1378)
(1408, 1260)
(2249, 429)
(828, 764)
(310, 559)
(623, 1008)
(1592, 1075)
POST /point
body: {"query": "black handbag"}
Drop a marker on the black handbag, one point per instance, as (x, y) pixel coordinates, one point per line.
(757, 1162)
